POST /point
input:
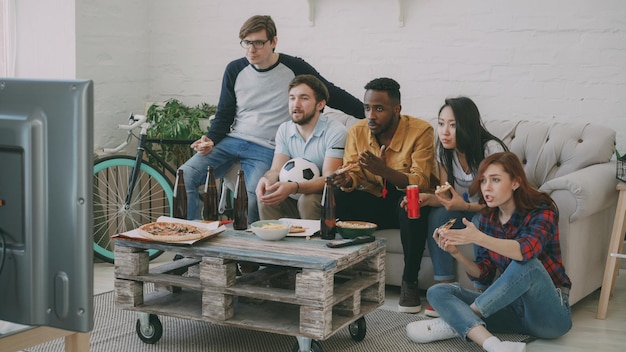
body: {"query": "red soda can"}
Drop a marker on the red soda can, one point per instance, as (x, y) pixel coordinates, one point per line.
(413, 201)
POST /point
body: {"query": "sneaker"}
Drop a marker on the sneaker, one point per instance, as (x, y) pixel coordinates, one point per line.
(431, 312)
(425, 331)
(409, 298)
(508, 346)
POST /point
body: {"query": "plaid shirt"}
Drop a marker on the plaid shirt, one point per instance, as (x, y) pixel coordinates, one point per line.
(538, 235)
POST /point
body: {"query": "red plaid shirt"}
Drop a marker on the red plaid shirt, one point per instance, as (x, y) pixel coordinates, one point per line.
(538, 235)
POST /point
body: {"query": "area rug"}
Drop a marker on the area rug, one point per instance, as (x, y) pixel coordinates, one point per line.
(114, 330)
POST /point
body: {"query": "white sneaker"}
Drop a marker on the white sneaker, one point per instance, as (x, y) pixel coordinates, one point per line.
(425, 331)
(508, 346)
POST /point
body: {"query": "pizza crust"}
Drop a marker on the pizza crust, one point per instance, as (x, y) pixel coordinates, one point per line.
(172, 232)
(447, 225)
(444, 190)
(297, 229)
(346, 168)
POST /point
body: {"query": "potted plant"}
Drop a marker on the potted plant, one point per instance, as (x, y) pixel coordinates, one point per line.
(175, 120)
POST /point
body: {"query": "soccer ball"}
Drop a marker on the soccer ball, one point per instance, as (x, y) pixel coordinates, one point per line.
(298, 170)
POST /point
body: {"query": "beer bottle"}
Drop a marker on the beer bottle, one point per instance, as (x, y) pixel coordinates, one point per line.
(328, 226)
(210, 211)
(180, 196)
(240, 213)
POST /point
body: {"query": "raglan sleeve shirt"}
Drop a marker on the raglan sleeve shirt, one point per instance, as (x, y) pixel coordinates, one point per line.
(227, 105)
(240, 75)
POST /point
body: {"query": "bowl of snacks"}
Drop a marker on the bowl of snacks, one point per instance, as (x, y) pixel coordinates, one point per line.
(271, 230)
(352, 229)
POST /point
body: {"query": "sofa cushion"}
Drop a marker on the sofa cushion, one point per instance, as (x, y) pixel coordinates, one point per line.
(392, 236)
(550, 150)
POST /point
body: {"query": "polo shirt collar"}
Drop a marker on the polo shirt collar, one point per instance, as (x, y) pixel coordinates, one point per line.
(319, 129)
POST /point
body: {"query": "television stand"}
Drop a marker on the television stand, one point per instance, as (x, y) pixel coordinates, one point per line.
(32, 336)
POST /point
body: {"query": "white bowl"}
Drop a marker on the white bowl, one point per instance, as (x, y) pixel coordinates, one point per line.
(271, 234)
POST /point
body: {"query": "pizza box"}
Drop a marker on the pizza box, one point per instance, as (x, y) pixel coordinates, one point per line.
(214, 228)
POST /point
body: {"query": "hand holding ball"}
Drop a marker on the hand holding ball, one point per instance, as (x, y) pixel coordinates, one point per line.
(298, 170)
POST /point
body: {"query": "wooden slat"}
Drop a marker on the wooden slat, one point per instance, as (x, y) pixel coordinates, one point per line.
(269, 317)
(165, 280)
(295, 252)
(175, 265)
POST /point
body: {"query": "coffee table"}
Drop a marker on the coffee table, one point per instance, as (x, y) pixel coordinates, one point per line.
(303, 288)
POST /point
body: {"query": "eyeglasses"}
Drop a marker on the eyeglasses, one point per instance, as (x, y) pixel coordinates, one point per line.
(257, 44)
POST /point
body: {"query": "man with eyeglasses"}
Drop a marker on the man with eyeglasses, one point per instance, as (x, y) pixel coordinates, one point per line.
(253, 103)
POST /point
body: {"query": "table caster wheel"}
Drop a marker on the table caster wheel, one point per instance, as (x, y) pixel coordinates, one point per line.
(315, 347)
(358, 329)
(151, 332)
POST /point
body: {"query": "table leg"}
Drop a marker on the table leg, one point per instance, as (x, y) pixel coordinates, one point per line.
(615, 246)
(78, 342)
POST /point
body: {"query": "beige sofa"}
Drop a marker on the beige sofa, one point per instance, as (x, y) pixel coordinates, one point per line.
(571, 162)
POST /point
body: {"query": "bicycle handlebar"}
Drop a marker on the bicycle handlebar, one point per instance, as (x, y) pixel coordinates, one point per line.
(116, 149)
(139, 120)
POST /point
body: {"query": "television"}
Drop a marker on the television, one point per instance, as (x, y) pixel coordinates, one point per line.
(46, 163)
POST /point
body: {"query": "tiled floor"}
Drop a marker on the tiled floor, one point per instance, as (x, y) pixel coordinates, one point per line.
(588, 333)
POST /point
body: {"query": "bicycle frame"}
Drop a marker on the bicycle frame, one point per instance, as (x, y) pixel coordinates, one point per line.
(143, 145)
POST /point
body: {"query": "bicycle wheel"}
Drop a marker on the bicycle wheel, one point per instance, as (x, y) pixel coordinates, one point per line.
(152, 197)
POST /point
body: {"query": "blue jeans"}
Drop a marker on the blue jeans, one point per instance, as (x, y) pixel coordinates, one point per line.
(255, 161)
(523, 301)
(443, 263)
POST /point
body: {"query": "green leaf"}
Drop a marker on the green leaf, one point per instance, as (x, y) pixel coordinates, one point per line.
(175, 120)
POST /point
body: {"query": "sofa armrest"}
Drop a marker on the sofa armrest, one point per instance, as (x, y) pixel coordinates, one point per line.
(592, 187)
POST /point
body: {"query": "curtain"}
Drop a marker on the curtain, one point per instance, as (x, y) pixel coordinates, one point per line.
(7, 38)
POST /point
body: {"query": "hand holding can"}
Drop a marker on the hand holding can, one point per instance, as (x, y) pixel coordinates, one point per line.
(413, 201)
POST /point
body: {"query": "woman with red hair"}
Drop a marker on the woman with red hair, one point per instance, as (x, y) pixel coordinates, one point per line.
(517, 238)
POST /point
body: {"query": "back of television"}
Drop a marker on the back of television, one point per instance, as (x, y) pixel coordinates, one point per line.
(46, 260)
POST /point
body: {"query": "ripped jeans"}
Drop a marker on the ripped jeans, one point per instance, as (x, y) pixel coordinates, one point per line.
(523, 301)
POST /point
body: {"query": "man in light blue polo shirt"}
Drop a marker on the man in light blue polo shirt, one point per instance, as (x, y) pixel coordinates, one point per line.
(309, 135)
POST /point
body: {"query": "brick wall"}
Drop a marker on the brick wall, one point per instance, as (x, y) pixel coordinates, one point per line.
(561, 60)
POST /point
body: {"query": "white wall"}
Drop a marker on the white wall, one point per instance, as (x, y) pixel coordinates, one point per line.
(46, 39)
(537, 59)
(113, 50)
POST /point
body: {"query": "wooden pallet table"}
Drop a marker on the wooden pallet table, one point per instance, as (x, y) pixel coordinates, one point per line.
(307, 290)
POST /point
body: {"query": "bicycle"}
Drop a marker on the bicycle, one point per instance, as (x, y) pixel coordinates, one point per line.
(128, 191)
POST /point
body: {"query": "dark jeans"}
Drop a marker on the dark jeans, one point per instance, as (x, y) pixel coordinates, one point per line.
(387, 214)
